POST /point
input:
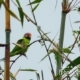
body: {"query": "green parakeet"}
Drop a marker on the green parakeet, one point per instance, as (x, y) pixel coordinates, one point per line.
(24, 42)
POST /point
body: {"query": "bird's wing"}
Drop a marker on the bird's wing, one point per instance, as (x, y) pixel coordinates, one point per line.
(16, 50)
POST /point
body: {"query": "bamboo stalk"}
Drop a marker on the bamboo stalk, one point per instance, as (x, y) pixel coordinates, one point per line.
(61, 39)
(65, 10)
(7, 49)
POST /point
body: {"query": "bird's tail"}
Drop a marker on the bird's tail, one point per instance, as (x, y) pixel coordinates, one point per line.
(25, 56)
(2, 59)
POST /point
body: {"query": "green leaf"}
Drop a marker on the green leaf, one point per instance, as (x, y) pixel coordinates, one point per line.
(21, 15)
(70, 66)
(18, 3)
(66, 50)
(77, 22)
(78, 8)
(38, 76)
(77, 74)
(12, 76)
(42, 75)
(11, 13)
(78, 44)
(76, 31)
(31, 70)
(35, 8)
(35, 1)
(45, 56)
(50, 51)
(0, 4)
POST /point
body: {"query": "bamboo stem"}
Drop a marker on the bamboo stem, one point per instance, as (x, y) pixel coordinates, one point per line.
(7, 49)
(61, 39)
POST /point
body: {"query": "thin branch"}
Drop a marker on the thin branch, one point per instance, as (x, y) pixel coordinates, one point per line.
(3, 45)
(71, 2)
(14, 61)
(14, 3)
(53, 73)
(70, 73)
(74, 42)
(70, 23)
(75, 3)
(34, 42)
(33, 13)
(72, 46)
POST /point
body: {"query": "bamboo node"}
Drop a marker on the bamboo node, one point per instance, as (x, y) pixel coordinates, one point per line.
(66, 6)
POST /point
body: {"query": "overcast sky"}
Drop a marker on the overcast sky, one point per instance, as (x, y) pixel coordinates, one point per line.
(49, 20)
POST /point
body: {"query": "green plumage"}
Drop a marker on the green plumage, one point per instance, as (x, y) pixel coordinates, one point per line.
(24, 42)
(18, 50)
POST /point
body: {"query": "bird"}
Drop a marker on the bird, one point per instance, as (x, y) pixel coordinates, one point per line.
(21, 46)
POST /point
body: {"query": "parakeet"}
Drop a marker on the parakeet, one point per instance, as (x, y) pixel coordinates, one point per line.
(24, 42)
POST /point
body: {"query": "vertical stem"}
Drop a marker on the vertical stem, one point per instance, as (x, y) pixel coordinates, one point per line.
(65, 10)
(7, 59)
(7, 49)
(61, 39)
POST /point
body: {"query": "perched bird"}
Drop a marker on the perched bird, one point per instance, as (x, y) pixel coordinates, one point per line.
(21, 46)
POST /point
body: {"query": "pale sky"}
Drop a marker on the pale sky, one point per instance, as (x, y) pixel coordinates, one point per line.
(49, 20)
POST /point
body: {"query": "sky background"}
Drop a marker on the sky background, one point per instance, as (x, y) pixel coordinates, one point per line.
(49, 19)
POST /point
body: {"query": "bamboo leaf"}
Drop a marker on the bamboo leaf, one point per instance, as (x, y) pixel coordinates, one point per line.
(75, 63)
(21, 15)
(35, 8)
(70, 66)
(76, 31)
(17, 72)
(77, 74)
(35, 1)
(45, 56)
(12, 76)
(42, 75)
(31, 70)
(18, 3)
(51, 51)
(67, 50)
(0, 4)
(79, 9)
(77, 22)
(38, 76)
(11, 13)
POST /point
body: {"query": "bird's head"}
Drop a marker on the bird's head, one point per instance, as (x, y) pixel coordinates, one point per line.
(27, 35)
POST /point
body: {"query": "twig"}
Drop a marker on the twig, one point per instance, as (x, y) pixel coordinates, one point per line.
(34, 42)
(72, 46)
(50, 62)
(33, 13)
(14, 3)
(3, 45)
(75, 3)
(70, 73)
(14, 61)
(74, 42)
(71, 2)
